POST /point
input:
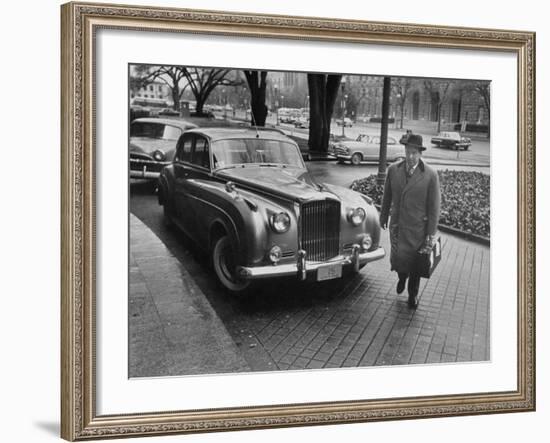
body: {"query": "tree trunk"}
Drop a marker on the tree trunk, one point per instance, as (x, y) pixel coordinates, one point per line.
(257, 88)
(382, 161)
(402, 115)
(176, 97)
(323, 90)
(200, 104)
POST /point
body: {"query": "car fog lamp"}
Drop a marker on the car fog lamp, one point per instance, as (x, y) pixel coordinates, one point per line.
(159, 155)
(356, 216)
(275, 254)
(280, 222)
(366, 242)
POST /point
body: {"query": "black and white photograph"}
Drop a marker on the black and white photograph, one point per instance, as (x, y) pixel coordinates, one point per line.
(283, 220)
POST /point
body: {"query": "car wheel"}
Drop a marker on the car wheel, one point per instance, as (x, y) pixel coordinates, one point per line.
(225, 267)
(356, 159)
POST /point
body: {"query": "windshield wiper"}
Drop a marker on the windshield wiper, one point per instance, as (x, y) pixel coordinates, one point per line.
(272, 165)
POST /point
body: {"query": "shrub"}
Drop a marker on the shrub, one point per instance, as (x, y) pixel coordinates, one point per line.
(465, 203)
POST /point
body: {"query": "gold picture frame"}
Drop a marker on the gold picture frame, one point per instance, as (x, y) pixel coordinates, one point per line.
(79, 420)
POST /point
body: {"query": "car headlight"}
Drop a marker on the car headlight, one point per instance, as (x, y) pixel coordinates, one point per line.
(356, 216)
(275, 254)
(159, 155)
(280, 222)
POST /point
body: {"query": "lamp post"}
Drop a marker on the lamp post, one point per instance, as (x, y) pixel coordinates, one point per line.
(224, 104)
(276, 103)
(344, 97)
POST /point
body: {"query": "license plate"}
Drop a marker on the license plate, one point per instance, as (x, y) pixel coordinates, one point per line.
(329, 272)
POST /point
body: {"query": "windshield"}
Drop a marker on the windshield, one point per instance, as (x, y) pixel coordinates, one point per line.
(255, 151)
(154, 130)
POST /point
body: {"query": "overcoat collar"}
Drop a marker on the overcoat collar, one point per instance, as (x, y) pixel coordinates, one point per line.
(420, 164)
(418, 173)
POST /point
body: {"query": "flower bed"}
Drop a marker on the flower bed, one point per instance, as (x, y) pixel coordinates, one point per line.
(465, 203)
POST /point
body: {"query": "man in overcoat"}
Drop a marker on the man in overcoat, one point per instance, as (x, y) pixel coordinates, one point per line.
(411, 201)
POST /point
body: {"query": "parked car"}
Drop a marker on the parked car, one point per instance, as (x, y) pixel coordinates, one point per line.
(153, 144)
(348, 122)
(452, 140)
(367, 148)
(302, 122)
(168, 112)
(246, 197)
(137, 111)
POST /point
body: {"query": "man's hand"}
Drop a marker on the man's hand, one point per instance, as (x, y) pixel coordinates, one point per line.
(383, 223)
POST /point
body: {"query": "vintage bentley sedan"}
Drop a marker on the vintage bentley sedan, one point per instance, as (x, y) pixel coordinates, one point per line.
(153, 144)
(246, 196)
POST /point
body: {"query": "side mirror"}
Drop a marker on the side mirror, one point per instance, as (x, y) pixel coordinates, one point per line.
(306, 157)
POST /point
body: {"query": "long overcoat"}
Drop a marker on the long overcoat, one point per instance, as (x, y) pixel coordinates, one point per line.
(413, 206)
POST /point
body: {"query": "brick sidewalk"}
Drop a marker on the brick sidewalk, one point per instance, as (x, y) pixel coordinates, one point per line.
(173, 330)
(181, 322)
(364, 322)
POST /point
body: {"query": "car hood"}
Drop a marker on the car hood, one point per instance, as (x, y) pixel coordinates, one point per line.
(145, 145)
(289, 183)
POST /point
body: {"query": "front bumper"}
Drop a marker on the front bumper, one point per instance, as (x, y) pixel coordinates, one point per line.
(302, 267)
(146, 168)
(343, 156)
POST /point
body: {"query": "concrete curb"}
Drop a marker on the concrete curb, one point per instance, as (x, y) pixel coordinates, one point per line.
(173, 329)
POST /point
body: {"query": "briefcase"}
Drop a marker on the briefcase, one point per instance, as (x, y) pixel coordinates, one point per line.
(428, 258)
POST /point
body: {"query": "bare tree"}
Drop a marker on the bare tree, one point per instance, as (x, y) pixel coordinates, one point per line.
(140, 77)
(401, 88)
(172, 77)
(483, 89)
(257, 84)
(439, 91)
(202, 82)
(323, 90)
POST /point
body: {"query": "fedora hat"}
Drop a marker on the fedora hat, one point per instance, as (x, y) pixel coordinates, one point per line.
(414, 141)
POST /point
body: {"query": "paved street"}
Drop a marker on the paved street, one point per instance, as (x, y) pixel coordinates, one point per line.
(356, 321)
(478, 154)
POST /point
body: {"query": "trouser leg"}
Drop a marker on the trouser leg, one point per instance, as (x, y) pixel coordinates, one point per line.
(413, 287)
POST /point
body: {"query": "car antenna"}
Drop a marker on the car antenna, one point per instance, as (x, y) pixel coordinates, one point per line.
(254, 121)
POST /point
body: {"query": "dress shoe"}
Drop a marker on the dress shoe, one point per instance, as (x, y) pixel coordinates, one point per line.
(401, 285)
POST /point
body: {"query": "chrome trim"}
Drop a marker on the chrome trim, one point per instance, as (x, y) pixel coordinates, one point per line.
(301, 265)
(149, 162)
(301, 268)
(143, 173)
(355, 257)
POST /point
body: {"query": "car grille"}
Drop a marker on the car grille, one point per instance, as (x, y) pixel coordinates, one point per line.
(320, 229)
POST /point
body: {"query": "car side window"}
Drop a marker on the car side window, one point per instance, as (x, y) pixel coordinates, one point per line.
(184, 148)
(201, 154)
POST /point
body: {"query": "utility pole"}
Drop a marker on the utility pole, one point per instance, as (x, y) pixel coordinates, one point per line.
(381, 178)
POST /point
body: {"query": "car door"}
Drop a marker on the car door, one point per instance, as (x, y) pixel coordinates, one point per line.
(182, 168)
(372, 149)
(201, 207)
